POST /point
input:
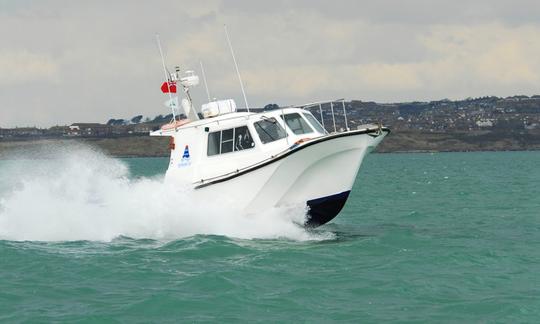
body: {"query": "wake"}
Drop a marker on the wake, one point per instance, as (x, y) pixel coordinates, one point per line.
(81, 194)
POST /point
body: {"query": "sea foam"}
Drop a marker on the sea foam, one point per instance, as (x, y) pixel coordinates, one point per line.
(78, 193)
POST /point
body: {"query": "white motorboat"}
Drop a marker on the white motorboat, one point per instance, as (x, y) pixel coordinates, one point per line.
(259, 160)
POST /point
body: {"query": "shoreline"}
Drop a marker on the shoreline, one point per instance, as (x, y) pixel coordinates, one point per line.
(397, 142)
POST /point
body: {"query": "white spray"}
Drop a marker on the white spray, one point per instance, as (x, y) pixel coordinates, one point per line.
(81, 194)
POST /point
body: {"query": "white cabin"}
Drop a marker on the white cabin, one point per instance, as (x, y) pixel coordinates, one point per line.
(212, 147)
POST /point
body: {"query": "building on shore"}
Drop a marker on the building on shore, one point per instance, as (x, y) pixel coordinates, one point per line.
(89, 130)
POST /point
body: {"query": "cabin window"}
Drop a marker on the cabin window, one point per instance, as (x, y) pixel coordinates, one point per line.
(214, 140)
(242, 139)
(315, 123)
(269, 130)
(297, 124)
(229, 140)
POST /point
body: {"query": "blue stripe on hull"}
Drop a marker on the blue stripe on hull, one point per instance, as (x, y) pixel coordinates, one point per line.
(322, 210)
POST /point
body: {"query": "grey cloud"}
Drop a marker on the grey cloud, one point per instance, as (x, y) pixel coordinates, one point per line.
(100, 58)
(398, 11)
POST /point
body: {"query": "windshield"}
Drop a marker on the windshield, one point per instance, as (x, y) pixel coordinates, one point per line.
(315, 123)
(269, 130)
(297, 124)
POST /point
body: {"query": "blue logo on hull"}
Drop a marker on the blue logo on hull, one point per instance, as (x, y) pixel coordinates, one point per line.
(186, 160)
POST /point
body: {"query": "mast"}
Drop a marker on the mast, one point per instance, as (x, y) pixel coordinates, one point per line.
(205, 83)
(167, 75)
(236, 66)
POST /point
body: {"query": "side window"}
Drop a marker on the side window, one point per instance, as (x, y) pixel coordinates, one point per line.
(229, 140)
(269, 130)
(297, 124)
(315, 123)
(214, 140)
(242, 139)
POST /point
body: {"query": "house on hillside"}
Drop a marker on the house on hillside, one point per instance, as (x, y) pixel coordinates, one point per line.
(119, 130)
(142, 128)
(89, 129)
(26, 131)
(57, 131)
(5, 132)
(484, 123)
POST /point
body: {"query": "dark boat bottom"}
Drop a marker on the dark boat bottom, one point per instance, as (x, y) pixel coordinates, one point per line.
(322, 210)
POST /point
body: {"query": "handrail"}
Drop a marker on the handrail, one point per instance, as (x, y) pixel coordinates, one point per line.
(248, 115)
(312, 104)
(331, 102)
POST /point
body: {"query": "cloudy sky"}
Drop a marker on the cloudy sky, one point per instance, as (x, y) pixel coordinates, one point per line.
(73, 61)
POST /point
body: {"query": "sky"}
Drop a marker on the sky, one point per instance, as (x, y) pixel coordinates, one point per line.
(63, 62)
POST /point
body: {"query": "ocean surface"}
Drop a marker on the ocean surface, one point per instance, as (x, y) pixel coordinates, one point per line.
(448, 237)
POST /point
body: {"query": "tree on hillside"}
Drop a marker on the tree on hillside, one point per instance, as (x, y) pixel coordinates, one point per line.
(136, 119)
(157, 119)
(271, 106)
(116, 122)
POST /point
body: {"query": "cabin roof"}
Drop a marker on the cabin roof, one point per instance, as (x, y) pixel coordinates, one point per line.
(231, 117)
(234, 115)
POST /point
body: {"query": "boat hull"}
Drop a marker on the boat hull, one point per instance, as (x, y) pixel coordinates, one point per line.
(318, 174)
(322, 210)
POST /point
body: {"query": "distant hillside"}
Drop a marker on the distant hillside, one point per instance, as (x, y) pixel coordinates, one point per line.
(487, 113)
(487, 123)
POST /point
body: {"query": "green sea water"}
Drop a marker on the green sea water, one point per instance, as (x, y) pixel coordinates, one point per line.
(450, 237)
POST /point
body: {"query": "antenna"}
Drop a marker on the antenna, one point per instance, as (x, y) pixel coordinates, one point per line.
(205, 84)
(236, 66)
(166, 74)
